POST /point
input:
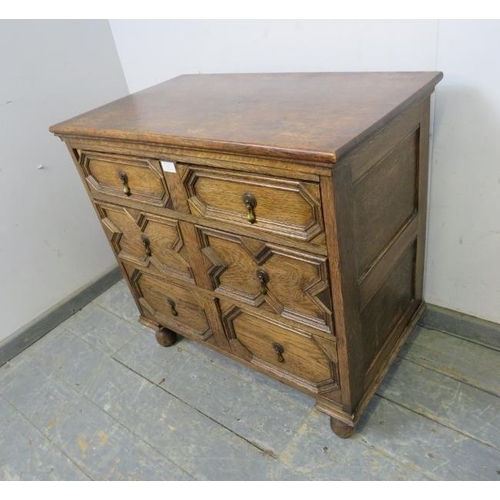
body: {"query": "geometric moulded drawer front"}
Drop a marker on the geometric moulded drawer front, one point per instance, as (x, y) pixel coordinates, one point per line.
(274, 278)
(176, 306)
(305, 359)
(283, 206)
(136, 179)
(146, 240)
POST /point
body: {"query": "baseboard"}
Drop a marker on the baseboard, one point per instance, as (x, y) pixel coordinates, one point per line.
(36, 329)
(461, 325)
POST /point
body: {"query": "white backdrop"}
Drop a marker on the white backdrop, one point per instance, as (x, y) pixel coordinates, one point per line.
(463, 258)
(50, 240)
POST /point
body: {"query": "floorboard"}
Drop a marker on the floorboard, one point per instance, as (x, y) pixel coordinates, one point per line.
(97, 398)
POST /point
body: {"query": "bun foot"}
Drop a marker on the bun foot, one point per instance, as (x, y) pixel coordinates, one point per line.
(165, 337)
(341, 429)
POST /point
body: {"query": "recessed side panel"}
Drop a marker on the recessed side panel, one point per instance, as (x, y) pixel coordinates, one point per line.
(386, 308)
(385, 198)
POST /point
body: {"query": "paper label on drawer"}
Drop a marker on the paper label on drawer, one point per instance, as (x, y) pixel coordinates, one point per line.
(167, 166)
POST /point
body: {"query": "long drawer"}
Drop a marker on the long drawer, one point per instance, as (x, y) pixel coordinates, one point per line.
(274, 278)
(288, 207)
(305, 359)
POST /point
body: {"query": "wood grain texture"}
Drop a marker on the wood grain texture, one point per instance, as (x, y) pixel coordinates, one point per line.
(165, 337)
(110, 173)
(290, 235)
(390, 352)
(450, 402)
(297, 283)
(384, 199)
(283, 206)
(317, 246)
(282, 167)
(387, 306)
(175, 306)
(279, 349)
(444, 453)
(341, 429)
(376, 276)
(321, 115)
(379, 144)
(457, 358)
(337, 195)
(146, 240)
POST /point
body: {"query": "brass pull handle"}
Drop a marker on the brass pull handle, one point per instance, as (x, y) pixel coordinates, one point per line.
(250, 202)
(123, 177)
(147, 245)
(263, 278)
(171, 303)
(279, 350)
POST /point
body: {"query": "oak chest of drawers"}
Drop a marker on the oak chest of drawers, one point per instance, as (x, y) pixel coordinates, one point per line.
(277, 218)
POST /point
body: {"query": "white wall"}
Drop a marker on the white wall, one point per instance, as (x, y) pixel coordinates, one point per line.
(463, 271)
(51, 243)
(154, 51)
(463, 266)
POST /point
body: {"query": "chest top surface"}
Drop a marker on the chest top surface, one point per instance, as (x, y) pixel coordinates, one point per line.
(302, 116)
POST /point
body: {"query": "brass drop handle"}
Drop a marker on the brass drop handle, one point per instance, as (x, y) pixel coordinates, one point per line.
(147, 245)
(250, 202)
(279, 350)
(263, 278)
(171, 303)
(123, 177)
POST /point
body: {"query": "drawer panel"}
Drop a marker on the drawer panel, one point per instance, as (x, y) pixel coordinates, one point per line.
(146, 240)
(284, 206)
(174, 305)
(303, 358)
(271, 277)
(137, 179)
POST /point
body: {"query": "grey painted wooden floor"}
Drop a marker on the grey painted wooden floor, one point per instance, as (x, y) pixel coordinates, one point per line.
(97, 398)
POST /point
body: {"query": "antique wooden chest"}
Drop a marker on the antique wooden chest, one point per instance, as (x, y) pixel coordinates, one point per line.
(277, 218)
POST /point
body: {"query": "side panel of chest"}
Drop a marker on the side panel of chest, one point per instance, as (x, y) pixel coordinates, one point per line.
(376, 237)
